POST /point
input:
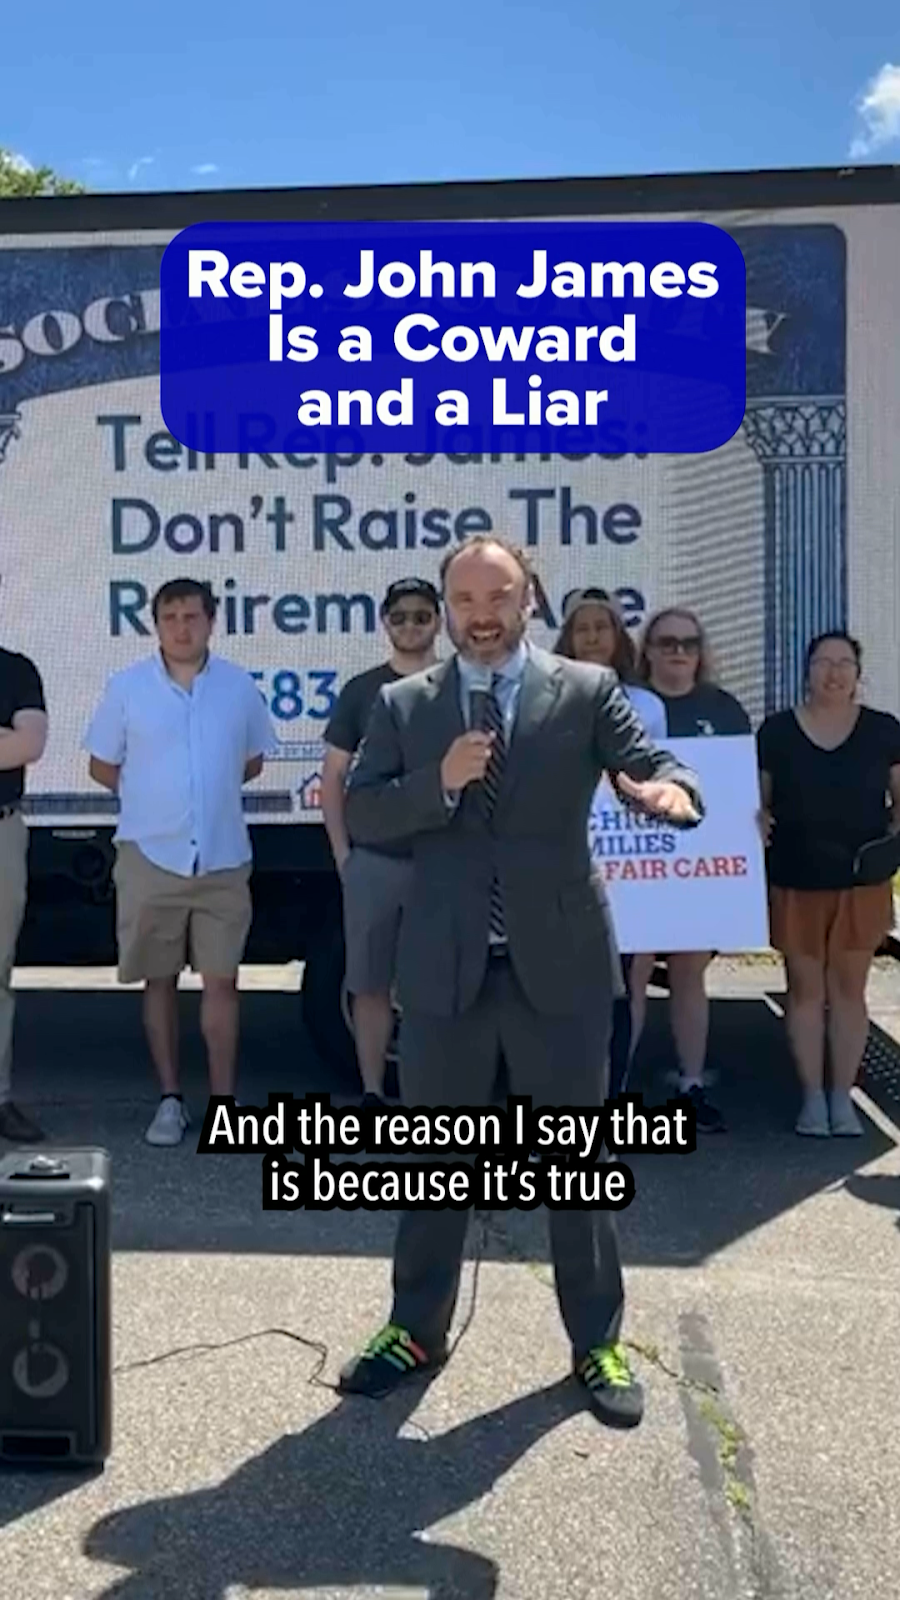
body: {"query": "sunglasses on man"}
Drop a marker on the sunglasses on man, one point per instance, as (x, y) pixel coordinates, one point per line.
(417, 619)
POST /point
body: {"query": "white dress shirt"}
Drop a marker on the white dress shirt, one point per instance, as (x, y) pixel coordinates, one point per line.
(182, 754)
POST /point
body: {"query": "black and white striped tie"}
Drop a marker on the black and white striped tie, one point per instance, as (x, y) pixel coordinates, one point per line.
(493, 723)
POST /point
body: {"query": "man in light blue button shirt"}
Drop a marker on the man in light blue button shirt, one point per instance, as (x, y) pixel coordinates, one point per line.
(176, 737)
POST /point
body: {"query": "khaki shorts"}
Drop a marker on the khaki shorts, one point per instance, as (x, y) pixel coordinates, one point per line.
(165, 920)
(824, 922)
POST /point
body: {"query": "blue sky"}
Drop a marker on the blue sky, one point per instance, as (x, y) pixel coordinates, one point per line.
(226, 95)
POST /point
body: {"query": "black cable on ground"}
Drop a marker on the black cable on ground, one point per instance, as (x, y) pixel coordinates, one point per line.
(205, 1348)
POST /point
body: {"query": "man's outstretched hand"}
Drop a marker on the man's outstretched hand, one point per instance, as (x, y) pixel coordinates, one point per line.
(660, 798)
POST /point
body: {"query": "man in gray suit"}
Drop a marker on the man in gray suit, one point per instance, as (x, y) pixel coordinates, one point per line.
(488, 763)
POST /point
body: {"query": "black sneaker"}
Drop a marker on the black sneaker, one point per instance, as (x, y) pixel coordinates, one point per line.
(709, 1119)
(17, 1128)
(372, 1102)
(389, 1358)
(615, 1395)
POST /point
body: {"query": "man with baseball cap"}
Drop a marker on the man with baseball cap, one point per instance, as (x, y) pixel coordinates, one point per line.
(374, 881)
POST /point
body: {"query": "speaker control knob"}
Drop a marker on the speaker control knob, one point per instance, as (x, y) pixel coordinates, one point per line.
(47, 1166)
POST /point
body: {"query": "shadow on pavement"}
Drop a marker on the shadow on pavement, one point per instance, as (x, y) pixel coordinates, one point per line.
(23, 1492)
(82, 1063)
(876, 1189)
(338, 1505)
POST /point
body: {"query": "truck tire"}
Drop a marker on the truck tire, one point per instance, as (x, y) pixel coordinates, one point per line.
(323, 1014)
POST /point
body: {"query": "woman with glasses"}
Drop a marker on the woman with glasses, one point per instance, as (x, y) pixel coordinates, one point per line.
(830, 779)
(593, 630)
(675, 663)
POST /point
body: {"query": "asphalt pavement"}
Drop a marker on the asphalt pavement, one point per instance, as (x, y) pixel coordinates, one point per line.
(763, 1281)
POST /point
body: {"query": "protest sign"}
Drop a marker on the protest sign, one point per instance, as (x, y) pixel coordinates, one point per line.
(697, 889)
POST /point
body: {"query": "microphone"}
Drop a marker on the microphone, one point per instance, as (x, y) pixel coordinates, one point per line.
(479, 697)
(478, 706)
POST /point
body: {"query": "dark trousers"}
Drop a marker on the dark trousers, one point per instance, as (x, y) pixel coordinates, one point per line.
(620, 1042)
(559, 1062)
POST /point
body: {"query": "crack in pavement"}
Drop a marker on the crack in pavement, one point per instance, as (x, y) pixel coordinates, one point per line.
(715, 1441)
(722, 1453)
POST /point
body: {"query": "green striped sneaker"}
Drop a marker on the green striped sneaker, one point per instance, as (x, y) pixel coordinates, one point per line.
(387, 1359)
(615, 1395)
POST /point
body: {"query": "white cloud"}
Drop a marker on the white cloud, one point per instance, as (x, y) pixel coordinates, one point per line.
(19, 163)
(134, 169)
(878, 108)
(205, 168)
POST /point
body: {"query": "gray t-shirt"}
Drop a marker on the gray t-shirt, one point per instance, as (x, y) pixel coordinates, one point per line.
(350, 718)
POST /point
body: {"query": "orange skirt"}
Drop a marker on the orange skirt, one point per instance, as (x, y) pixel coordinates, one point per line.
(824, 922)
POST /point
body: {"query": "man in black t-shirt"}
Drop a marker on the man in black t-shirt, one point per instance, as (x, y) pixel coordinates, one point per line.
(23, 734)
(374, 881)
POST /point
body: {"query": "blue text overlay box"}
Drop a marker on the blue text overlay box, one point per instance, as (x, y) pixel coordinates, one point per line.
(507, 336)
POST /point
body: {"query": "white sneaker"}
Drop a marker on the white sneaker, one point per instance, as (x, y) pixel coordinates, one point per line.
(170, 1122)
(844, 1121)
(813, 1119)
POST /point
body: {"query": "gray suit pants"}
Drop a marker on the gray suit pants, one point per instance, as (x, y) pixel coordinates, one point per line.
(558, 1061)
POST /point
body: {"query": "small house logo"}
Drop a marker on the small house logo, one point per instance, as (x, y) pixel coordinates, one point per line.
(309, 793)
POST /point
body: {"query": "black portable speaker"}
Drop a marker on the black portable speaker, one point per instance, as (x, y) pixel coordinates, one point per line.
(55, 1322)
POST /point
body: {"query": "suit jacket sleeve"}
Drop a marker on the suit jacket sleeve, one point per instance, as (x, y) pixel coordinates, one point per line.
(623, 746)
(384, 803)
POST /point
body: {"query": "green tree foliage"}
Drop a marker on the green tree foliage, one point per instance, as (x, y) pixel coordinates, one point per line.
(18, 180)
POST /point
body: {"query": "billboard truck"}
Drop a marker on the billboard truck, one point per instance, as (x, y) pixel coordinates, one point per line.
(790, 527)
